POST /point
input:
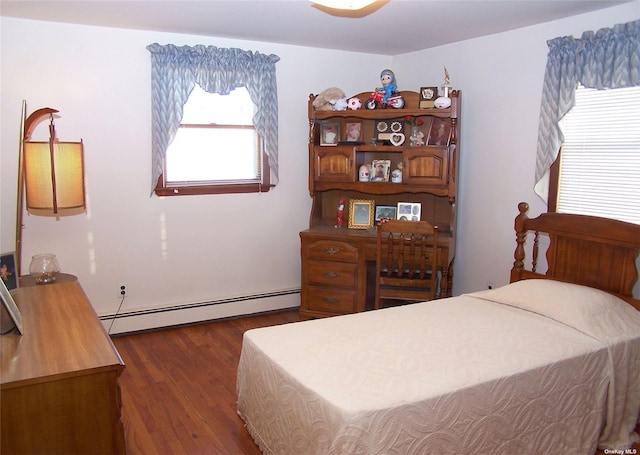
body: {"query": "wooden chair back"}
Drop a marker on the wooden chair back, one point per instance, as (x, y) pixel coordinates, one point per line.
(406, 261)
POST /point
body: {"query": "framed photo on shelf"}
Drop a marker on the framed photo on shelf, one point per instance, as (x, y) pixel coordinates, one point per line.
(329, 133)
(360, 214)
(380, 170)
(428, 97)
(353, 132)
(409, 211)
(440, 132)
(8, 271)
(10, 316)
(385, 212)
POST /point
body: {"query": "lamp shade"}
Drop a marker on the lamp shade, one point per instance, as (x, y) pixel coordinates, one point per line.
(54, 178)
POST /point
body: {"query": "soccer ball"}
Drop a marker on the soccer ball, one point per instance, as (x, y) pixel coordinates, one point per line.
(354, 103)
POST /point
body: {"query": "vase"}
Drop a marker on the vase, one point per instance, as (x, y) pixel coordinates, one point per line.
(44, 268)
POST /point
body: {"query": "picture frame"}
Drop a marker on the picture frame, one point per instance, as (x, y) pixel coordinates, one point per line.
(440, 132)
(329, 133)
(428, 97)
(380, 170)
(409, 211)
(361, 213)
(353, 132)
(8, 271)
(9, 306)
(384, 213)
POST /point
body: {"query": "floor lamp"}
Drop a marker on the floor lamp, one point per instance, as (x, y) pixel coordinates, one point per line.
(52, 173)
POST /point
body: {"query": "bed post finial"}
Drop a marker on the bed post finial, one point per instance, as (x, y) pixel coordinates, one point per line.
(518, 255)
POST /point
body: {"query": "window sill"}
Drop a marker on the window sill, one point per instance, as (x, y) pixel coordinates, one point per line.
(212, 189)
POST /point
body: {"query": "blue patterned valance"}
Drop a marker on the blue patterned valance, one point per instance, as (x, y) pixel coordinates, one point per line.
(608, 58)
(174, 73)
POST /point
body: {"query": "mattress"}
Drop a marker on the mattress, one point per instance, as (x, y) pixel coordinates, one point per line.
(528, 368)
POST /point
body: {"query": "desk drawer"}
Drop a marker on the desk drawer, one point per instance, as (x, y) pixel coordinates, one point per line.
(337, 301)
(327, 273)
(330, 250)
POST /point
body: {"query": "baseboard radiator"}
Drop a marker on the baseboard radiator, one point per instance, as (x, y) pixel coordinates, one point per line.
(188, 313)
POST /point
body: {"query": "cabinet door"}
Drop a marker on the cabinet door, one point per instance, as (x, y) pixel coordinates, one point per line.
(334, 164)
(425, 166)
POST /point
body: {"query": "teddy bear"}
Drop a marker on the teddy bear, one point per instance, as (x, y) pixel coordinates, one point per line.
(326, 99)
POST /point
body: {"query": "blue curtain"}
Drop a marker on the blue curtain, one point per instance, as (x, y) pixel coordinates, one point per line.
(174, 73)
(609, 58)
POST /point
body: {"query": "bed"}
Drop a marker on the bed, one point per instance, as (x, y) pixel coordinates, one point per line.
(549, 363)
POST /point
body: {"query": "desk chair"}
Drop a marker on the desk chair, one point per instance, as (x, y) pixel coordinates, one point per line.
(406, 261)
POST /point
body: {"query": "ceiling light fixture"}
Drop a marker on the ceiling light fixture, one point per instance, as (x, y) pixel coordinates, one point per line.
(351, 5)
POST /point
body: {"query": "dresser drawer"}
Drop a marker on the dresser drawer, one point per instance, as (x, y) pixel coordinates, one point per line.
(330, 250)
(337, 301)
(327, 273)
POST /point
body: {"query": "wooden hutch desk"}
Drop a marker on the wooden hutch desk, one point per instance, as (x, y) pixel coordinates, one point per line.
(59, 379)
(338, 263)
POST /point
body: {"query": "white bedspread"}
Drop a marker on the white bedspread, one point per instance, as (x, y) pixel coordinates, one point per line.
(460, 375)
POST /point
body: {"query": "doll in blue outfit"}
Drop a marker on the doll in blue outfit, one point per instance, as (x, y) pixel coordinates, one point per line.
(389, 86)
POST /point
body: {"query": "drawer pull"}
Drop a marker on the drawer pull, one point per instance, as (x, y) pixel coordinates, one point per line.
(331, 251)
(331, 274)
(330, 300)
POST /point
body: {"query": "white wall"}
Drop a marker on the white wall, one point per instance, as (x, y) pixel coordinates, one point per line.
(169, 251)
(501, 81)
(185, 250)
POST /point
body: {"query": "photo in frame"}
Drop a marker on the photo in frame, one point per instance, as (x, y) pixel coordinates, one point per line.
(385, 213)
(329, 133)
(361, 213)
(14, 318)
(8, 271)
(428, 97)
(409, 211)
(380, 170)
(353, 132)
(440, 132)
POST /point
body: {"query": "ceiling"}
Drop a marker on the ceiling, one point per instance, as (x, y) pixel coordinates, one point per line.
(391, 27)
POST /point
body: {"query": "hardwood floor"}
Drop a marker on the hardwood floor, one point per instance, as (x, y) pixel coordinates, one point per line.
(179, 388)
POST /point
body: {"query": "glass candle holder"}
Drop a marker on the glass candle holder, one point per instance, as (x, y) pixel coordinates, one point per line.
(44, 268)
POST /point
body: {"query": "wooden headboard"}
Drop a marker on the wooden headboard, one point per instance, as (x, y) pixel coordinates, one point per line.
(591, 251)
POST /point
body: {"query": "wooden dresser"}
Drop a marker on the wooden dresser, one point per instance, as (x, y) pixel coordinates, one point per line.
(59, 379)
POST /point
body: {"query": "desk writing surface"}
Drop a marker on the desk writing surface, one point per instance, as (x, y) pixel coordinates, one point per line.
(368, 238)
(62, 337)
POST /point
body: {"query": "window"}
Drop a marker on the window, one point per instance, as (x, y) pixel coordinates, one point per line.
(216, 143)
(599, 164)
(219, 143)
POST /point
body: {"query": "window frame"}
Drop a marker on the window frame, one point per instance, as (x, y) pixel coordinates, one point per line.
(164, 188)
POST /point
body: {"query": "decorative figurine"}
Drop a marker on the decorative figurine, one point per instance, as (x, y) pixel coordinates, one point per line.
(364, 174)
(389, 86)
(340, 213)
(387, 95)
(396, 175)
(444, 101)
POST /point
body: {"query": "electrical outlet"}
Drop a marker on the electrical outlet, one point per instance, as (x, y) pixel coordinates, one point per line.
(122, 290)
(490, 285)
